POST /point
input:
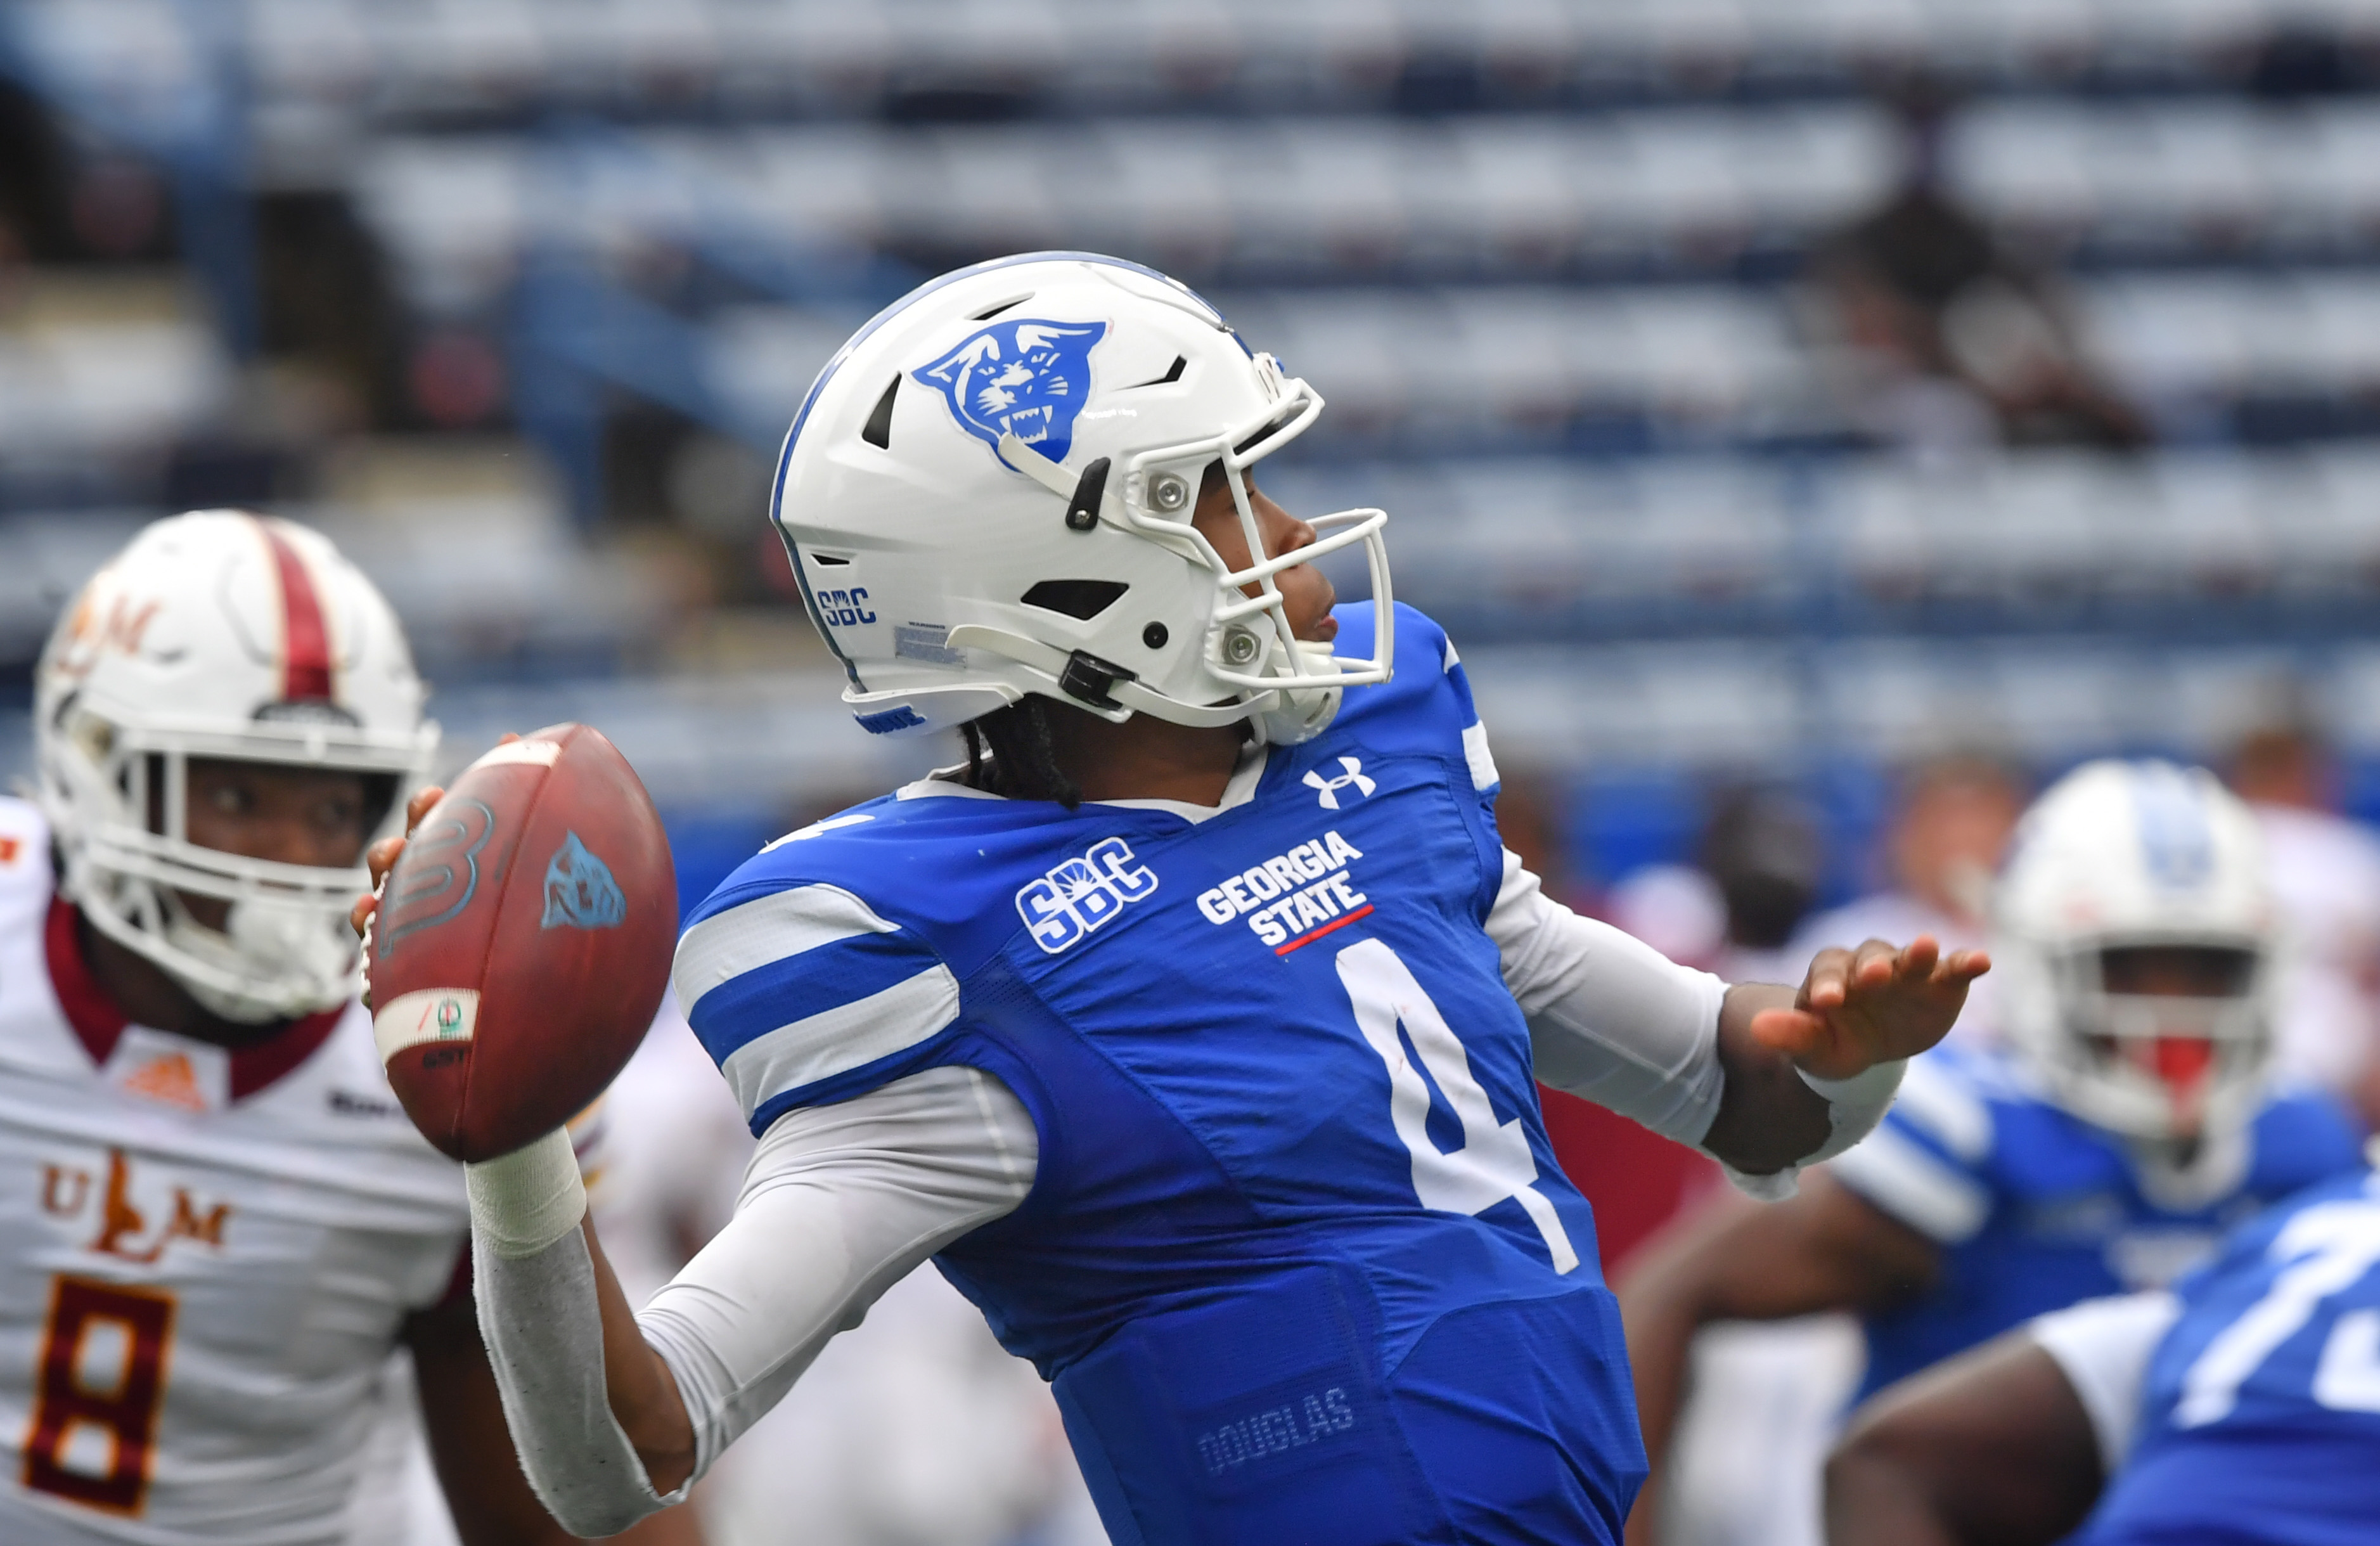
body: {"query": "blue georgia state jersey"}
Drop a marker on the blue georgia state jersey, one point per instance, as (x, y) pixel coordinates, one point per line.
(2261, 1411)
(1297, 1256)
(2035, 1208)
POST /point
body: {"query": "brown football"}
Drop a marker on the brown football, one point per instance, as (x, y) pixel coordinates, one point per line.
(523, 943)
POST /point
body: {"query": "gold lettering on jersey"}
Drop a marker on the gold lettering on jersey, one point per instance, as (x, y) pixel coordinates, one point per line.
(55, 1198)
(189, 1225)
(122, 1228)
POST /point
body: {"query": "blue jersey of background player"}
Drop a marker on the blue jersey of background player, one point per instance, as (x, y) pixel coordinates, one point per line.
(2126, 1130)
(2242, 1408)
(1191, 1026)
(2031, 1206)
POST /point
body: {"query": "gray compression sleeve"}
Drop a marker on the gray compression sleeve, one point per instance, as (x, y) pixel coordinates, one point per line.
(839, 1204)
(544, 1332)
(1610, 1018)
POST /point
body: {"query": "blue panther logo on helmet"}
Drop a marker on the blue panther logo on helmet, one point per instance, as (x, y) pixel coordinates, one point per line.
(1027, 377)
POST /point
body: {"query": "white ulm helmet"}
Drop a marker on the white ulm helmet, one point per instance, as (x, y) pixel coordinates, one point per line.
(2120, 855)
(987, 493)
(220, 634)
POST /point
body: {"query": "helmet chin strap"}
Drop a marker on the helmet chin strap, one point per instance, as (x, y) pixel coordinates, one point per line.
(1128, 695)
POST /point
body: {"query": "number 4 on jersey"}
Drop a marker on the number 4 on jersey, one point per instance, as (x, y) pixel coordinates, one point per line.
(1494, 1161)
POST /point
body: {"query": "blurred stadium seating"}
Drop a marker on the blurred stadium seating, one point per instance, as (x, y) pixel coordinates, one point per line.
(579, 259)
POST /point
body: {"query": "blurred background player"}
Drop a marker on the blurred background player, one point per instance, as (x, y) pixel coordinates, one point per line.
(2130, 1122)
(216, 1223)
(2242, 1406)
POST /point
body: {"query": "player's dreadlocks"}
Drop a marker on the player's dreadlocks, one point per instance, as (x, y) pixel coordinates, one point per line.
(1010, 752)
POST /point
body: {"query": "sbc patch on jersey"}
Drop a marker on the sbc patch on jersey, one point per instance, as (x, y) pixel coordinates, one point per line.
(1064, 906)
(1026, 377)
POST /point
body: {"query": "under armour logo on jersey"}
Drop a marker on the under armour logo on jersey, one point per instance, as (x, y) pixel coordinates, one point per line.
(1327, 789)
(579, 892)
(1068, 903)
(1023, 377)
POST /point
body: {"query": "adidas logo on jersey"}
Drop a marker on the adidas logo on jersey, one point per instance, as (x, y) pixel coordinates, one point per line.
(1327, 789)
(1066, 906)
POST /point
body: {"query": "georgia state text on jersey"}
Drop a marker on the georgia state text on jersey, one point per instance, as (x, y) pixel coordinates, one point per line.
(2261, 1412)
(2036, 1208)
(204, 1255)
(1297, 1255)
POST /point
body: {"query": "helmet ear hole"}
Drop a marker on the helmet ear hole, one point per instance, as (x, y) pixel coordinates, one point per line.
(878, 431)
(1079, 599)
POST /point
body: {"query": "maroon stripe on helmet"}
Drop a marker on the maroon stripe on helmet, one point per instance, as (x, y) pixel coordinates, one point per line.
(305, 640)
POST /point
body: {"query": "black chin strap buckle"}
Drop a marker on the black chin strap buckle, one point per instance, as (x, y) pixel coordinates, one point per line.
(1083, 510)
(1087, 678)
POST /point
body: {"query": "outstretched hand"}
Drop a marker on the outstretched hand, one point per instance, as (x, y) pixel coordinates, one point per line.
(1858, 1008)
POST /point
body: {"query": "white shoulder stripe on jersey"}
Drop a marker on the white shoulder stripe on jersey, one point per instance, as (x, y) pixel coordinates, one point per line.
(1914, 1186)
(1946, 1109)
(1452, 660)
(846, 1037)
(1484, 775)
(768, 929)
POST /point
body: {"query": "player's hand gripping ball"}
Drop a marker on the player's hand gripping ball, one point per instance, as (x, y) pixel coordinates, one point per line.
(521, 941)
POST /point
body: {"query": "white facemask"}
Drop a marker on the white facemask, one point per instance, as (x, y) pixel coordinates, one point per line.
(272, 960)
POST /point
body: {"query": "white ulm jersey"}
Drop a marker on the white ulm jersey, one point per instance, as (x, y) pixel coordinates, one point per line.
(204, 1258)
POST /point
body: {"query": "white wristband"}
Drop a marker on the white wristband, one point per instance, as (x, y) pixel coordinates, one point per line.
(523, 1202)
(1854, 1105)
(1853, 1108)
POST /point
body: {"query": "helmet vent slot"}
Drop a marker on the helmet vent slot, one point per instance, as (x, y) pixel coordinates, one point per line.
(1080, 599)
(1173, 374)
(878, 431)
(1003, 306)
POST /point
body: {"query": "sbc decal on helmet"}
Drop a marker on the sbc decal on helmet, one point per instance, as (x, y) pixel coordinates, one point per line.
(1028, 378)
(1117, 392)
(222, 634)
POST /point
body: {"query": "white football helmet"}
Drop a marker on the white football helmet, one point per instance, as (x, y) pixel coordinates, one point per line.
(987, 493)
(2118, 856)
(220, 634)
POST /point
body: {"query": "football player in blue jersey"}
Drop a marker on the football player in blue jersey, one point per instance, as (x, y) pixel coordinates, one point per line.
(2128, 1127)
(2242, 1408)
(1190, 1026)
